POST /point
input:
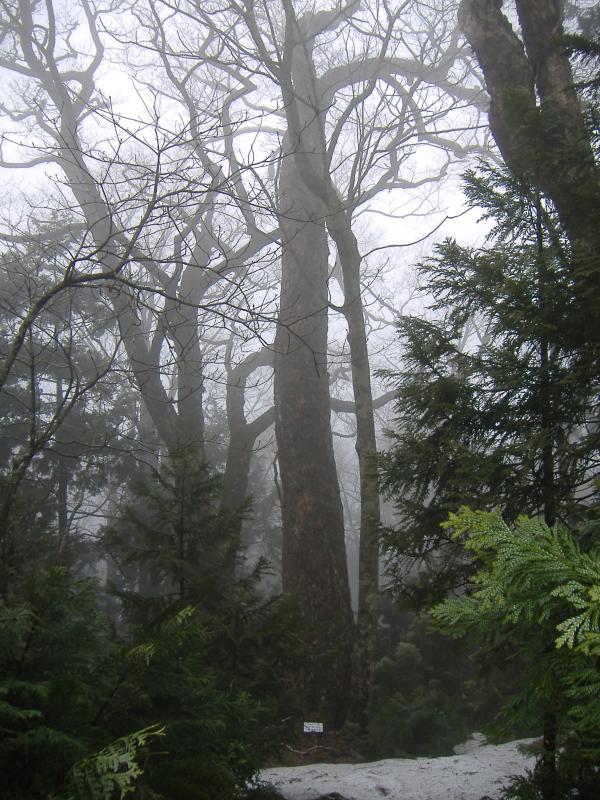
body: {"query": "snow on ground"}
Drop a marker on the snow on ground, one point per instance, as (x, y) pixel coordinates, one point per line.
(473, 775)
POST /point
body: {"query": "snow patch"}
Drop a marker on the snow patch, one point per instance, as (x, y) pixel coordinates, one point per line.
(474, 775)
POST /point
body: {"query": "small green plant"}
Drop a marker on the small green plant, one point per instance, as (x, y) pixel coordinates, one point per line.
(421, 701)
(113, 771)
(536, 597)
(56, 659)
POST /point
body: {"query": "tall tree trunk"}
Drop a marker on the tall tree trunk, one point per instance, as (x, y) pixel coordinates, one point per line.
(190, 385)
(339, 226)
(62, 485)
(547, 143)
(549, 423)
(313, 551)
(242, 434)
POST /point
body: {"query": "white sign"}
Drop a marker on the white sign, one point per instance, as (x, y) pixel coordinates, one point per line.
(313, 727)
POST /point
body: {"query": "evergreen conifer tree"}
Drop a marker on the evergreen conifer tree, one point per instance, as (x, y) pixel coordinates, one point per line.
(496, 407)
(210, 658)
(181, 692)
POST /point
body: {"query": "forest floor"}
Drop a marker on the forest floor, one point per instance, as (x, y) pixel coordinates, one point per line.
(475, 775)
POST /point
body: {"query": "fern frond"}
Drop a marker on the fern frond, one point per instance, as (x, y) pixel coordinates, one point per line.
(114, 769)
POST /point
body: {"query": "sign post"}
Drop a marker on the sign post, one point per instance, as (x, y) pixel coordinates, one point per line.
(313, 727)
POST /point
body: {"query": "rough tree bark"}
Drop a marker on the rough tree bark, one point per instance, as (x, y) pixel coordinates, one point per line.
(313, 553)
(340, 230)
(536, 120)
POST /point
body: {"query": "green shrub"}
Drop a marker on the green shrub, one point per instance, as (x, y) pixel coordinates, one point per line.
(536, 597)
(424, 698)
